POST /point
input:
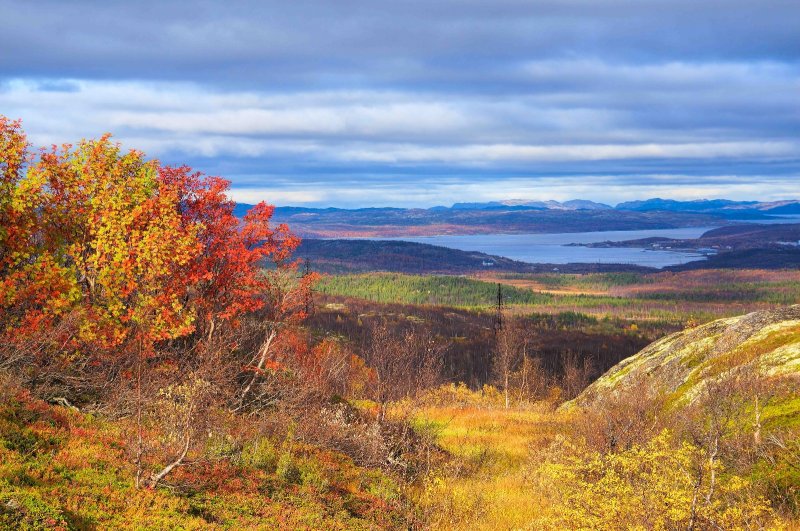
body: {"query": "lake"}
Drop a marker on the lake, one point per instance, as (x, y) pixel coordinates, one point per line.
(554, 249)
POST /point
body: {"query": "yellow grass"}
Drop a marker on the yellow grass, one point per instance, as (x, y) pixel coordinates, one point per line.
(486, 487)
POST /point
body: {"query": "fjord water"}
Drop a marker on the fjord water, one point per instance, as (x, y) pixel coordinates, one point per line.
(556, 249)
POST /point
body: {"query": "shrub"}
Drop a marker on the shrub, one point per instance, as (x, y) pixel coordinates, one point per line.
(657, 485)
(259, 453)
(312, 474)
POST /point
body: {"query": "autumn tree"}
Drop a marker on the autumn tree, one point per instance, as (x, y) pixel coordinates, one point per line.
(13, 154)
(331, 368)
(245, 267)
(96, 236)
(576, 373)
(531, 381)
(120, 277)
(625, 418)
(140, 251)
(226, 277)
(510, 349)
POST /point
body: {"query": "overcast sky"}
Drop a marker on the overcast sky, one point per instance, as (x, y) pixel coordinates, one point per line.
(418, 103)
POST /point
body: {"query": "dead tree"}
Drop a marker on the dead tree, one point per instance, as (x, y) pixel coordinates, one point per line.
(404, 363)
(511, 348)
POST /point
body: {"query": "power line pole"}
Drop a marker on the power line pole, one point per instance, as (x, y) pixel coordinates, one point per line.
(498, 316)
(497, 326)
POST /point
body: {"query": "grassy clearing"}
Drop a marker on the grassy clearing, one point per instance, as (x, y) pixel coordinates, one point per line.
(486, 487)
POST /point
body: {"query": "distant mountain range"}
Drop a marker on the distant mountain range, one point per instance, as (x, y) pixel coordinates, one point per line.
(649, 205)
(725, 207)
(523, 217)
(788, 207)
(575, 204)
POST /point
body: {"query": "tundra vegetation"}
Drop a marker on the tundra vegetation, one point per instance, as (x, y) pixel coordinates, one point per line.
(164, 364)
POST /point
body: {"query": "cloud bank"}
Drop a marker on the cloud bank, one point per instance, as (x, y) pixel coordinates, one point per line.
(357, 103)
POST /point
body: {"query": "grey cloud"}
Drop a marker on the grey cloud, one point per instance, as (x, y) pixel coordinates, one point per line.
(493, 96)
(370, 43)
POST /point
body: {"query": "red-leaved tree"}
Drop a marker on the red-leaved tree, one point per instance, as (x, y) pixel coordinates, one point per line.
(105, 256)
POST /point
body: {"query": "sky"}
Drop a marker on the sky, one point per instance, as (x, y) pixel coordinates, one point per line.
(420, 103)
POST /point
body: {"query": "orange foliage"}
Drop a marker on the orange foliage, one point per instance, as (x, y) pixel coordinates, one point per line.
(133, 252)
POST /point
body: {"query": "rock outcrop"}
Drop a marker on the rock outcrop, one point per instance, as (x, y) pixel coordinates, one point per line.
(679, 365)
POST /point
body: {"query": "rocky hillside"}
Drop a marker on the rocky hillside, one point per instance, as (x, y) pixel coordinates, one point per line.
(681, 364)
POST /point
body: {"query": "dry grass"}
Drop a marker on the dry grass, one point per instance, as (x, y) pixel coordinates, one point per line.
(506, 466)
(485, 486)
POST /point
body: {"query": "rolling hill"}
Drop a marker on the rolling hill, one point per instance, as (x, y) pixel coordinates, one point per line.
(362, 255)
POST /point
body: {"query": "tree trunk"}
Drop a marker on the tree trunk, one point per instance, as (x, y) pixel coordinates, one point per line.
(712, 458)
(139, 436)
(154, 480)
(262, 360)
(382, 412)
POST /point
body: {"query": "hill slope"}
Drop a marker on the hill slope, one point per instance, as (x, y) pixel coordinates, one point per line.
(395, 255)
(681, 364)
(360, 256)
(62, 469)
